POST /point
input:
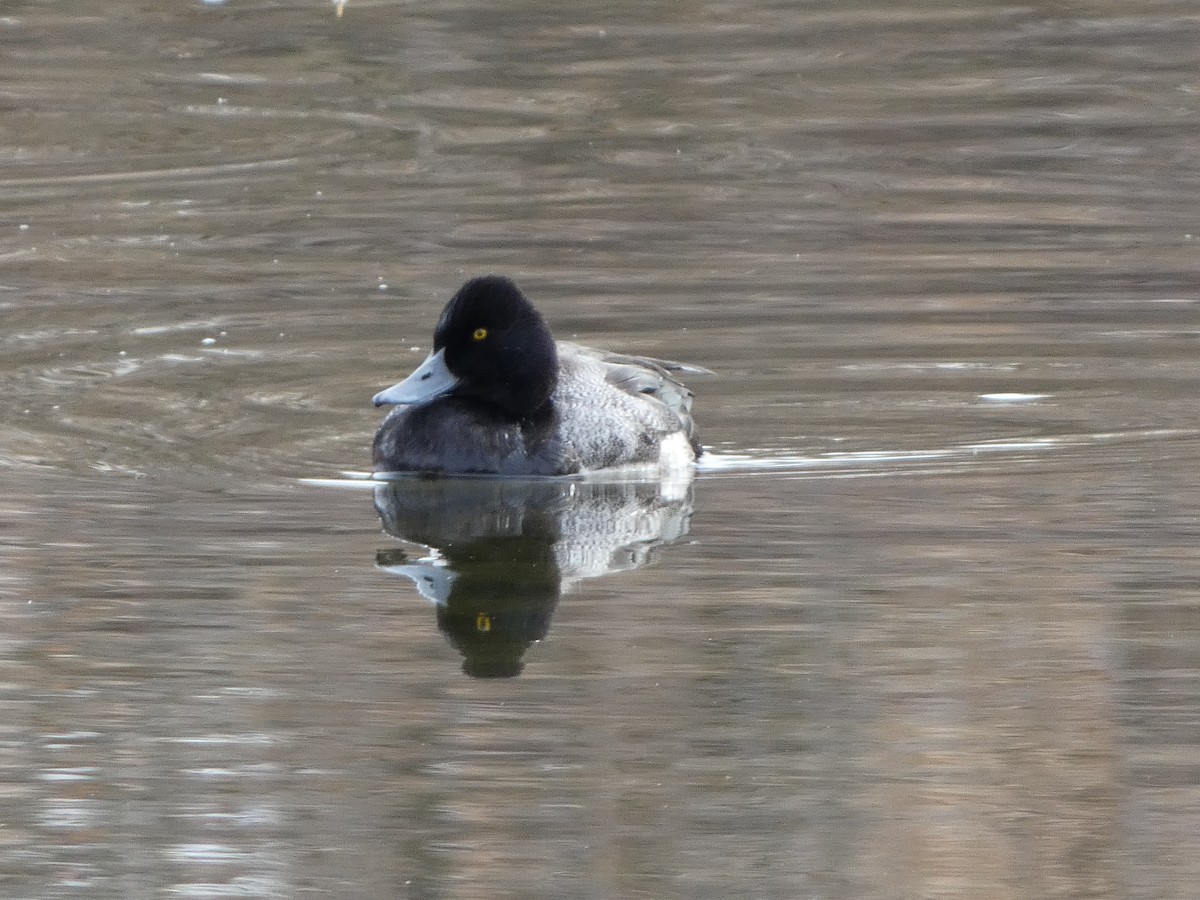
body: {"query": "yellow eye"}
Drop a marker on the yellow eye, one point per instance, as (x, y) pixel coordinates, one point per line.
(479, 334)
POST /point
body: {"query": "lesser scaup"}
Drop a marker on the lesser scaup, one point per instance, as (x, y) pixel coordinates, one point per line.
(499, 396)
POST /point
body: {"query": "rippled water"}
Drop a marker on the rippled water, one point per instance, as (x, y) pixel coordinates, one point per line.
(924, 625)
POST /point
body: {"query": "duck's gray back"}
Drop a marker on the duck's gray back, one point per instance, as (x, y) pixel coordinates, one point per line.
(616, 410)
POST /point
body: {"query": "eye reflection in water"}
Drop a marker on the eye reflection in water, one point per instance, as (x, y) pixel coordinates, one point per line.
(502, 552)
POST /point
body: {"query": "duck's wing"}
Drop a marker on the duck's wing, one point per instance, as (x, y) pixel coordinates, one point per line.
(644, 375)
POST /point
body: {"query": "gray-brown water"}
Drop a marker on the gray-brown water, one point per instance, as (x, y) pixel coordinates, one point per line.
(933, 626)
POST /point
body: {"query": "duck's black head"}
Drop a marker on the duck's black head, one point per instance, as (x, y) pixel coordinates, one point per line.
(497, 346)
(491, 347)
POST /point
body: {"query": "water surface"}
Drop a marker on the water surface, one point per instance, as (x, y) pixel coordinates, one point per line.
(924, 625)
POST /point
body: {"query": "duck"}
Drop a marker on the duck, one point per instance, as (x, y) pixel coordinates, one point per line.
(499, 396)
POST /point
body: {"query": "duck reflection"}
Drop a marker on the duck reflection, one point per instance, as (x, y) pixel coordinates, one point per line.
(503, 551)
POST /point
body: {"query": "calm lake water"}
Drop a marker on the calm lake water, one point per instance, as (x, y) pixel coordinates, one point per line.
(925, 624)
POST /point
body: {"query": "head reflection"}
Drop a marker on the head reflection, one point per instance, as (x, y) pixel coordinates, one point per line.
(502, 552)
